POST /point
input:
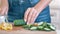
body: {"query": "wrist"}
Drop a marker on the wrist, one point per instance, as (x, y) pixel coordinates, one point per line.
(37, 9)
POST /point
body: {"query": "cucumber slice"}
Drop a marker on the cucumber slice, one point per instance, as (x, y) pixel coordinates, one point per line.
(44, 24)
(49, 24)
(27, 26)
(40, 27)
(52, 27)
(40, 23)
(33, 28)
(47, 29)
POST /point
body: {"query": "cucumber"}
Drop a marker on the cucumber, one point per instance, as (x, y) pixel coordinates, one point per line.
(40, 23)
(44, 24)
(52, 27)
(40, 27)
(49, 24)
(33, 28)
(47, 29)
(27, 26)
(19, 22)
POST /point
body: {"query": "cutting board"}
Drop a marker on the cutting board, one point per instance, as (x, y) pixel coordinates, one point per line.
(20, 30)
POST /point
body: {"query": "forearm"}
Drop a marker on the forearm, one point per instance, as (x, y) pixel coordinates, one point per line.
(42, 4)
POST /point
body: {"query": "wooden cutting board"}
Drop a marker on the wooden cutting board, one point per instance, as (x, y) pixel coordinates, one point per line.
(20, 30)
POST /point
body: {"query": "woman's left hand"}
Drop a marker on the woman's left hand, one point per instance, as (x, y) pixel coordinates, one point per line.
(31, 15)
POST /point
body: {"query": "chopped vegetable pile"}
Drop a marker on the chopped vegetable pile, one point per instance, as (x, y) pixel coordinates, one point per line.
(42, 26)
(5, 26)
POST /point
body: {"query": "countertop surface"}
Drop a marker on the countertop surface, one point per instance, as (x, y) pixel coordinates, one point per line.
(20, 30)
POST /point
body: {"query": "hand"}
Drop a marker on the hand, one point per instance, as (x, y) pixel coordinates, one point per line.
(31, 15)
(3, 10)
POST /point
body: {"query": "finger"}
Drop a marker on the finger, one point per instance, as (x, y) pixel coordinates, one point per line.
(33, 19)
(6, 11)
(30, 16)
(3, 11)
(0, 9)
(34, 16)
(26, 14)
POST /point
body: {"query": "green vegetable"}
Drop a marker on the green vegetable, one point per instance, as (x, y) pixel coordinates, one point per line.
(52, 27)
(40, 27)
(27, 26)
(47, 29)
(40, 23)
(33, 28)
(44, 24)
(49, 24)
(19, 22)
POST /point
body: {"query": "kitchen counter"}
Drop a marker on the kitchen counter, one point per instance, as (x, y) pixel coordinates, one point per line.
(26, 32)
(19, 30)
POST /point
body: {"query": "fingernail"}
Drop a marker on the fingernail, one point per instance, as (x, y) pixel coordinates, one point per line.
(28, 23)
(25, 20)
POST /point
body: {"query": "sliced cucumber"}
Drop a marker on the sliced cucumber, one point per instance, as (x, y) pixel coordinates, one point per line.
(40, 27)
(47, 29)
(44, 24)
(33, 28)
(49, 24)
(27, 26)
(40, 23)
(52, 27)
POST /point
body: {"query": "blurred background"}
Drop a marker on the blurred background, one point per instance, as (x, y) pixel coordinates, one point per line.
(55, 12)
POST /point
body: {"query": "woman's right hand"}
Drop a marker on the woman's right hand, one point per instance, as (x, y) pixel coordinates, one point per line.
(3, 10)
